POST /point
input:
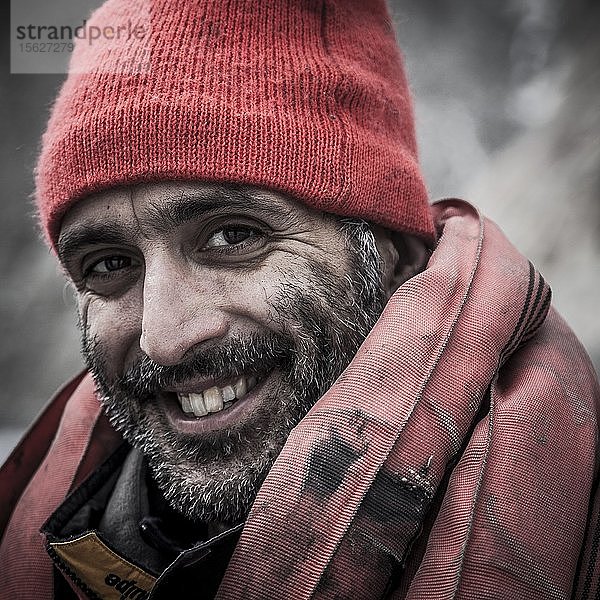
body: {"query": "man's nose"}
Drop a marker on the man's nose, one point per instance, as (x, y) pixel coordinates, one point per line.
(179, 313)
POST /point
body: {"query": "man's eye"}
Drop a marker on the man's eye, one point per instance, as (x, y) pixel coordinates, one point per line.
(110, 264)
(230, 236)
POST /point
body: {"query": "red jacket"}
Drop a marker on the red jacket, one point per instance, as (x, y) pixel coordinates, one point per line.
(66, 443)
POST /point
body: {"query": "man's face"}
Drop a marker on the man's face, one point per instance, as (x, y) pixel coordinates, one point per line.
(213, 318)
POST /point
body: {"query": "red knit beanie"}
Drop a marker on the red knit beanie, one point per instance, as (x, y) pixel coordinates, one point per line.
(307, 97)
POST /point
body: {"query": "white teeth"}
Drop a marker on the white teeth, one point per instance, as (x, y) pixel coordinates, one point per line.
(186, 405)
(213, 399)
(228, 393)
(240, 388)
(198, 406)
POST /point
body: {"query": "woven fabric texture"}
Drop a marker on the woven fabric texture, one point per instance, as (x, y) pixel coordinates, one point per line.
(464, 391)
(461, 443)
(26, 568)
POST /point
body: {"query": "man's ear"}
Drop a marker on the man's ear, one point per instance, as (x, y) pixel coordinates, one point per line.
(403, 255)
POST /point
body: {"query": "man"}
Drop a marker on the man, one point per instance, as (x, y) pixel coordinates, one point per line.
(307, 381)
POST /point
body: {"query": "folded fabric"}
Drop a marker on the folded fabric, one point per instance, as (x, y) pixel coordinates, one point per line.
(455, 457)
(459, 448)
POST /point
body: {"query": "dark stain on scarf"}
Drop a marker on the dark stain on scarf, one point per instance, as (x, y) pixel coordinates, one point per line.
(395, 499)
(328, 464)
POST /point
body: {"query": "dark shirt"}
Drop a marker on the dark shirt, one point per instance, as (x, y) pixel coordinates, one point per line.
(121, 505)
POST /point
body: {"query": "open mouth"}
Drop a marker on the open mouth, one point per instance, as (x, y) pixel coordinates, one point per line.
(216, 398)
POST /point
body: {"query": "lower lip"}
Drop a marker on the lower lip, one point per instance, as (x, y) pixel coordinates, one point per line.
(237, 412)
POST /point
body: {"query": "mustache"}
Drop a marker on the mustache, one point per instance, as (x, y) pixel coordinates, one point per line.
(145, 378)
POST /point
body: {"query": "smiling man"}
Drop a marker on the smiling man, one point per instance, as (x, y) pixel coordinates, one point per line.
(303, 381)
(213, 317)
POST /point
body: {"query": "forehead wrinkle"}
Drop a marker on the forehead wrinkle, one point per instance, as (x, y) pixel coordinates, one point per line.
(173, 210)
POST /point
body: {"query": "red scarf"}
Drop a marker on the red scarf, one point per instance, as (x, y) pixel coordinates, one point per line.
(466, 392)
(461, 442)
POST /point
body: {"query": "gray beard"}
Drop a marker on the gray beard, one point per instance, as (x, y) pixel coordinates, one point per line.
(215, 477)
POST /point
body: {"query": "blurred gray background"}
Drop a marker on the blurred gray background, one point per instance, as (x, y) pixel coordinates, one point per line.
(507, 99)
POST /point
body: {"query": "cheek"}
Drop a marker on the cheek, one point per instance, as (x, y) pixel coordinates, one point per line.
(256, 295)
(262, 298)
(249, 296)
(115, 325)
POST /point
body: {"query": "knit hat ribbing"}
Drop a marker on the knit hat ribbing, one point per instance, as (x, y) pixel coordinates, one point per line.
(307, 97)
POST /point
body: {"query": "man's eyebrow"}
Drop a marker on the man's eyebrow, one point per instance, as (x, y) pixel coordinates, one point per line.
(171, 212)
(184, 207)
(77, 237)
